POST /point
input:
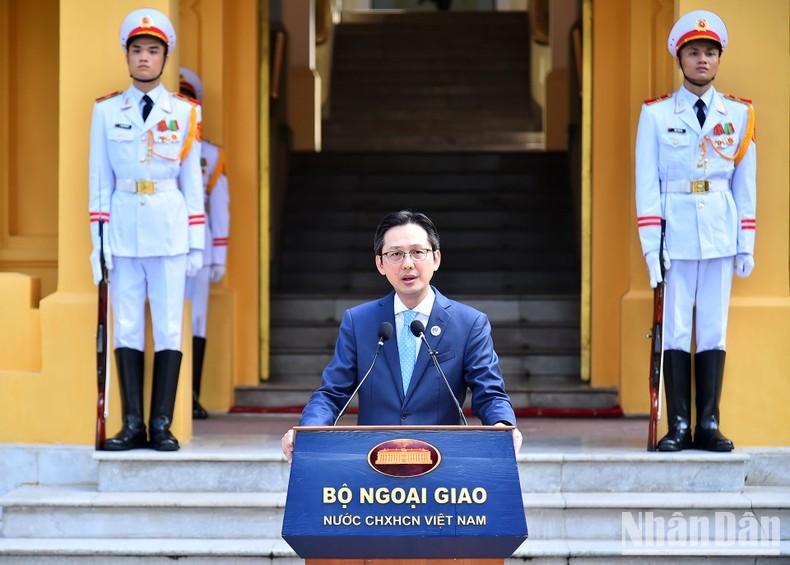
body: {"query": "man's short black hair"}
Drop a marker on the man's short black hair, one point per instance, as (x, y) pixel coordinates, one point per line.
(402, 218)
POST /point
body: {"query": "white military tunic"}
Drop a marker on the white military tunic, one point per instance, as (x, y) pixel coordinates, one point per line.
(719, 223)
(150, 234)
(672, 150)
(217, 227)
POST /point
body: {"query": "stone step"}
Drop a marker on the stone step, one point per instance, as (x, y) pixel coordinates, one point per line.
(455, 33)
(605, 516)
(262, 469)
(467, 37)
(478, 219)
(548, 461)
(539, 165)
(537, 394)
(285, 362)
(473, 141)
(70, 512)
(453, 94)
(146, 551)
(348, 238)
(455, 82)
(99, 551)
(549, 308)
(447, 101)
(495, 259)
(471, 18)
(507, 337)
(372, 125)
(445, 186)
(426, 76)
(585, 525)
(430, 46)
(451, 282)
(545, 399)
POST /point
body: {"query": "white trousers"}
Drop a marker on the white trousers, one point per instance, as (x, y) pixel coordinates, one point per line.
(706, 284)
(161, 280)
(197, 290)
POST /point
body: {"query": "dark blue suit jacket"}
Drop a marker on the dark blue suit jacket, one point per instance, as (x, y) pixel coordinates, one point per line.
(466, 355)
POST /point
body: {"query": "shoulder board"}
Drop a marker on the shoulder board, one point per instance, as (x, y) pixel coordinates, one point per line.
(737, 99)
(108, 96)
(187, 98)
(658, 98)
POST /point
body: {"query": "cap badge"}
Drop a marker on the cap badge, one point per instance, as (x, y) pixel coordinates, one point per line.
(702, 24)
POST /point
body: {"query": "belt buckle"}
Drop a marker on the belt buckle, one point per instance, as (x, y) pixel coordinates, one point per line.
(144, 187)
(698, 186)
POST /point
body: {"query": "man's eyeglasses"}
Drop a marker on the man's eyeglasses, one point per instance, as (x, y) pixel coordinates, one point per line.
(396, 257)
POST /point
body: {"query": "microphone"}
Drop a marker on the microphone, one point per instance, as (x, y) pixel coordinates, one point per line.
(418, 329)
(385, 332)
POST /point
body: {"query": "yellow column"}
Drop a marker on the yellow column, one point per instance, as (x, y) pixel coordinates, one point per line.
(47, 362)
(220, 43)
(248, 264)
(57, 404)
(753, 410)
(201, 42)
(303, 82)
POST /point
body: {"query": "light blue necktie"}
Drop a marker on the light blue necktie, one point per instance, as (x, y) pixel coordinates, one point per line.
(407, 349)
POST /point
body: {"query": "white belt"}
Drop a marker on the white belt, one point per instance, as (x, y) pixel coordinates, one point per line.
(695, 186)
(146, 186)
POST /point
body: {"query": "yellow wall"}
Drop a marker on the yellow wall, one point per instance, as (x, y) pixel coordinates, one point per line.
(756, 386)
(218, 41)
(249, 187)
(47, 361)
(47, 364)
(303, 84)
(29, 155)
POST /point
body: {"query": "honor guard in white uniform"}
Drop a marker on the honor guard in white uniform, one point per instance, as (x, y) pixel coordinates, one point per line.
(217, 199)
(146, 195)
(696, 173)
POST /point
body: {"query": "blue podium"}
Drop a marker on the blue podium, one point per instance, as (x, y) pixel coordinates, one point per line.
(402, 493)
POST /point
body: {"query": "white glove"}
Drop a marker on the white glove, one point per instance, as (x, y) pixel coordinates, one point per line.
(654, 267)
(194, 261)
(744, 263)
(96, 262)
(217, 272)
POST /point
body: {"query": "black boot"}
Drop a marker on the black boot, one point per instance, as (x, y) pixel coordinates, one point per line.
(677, 384)
(167, 365)
(709, 376)
(130, 364)
(198, 352)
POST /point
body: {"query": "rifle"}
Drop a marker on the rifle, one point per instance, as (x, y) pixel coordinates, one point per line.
(656, 379)
(102, 358)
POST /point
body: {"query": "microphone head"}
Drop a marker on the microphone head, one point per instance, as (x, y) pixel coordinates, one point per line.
(417, 328)
(385, 331)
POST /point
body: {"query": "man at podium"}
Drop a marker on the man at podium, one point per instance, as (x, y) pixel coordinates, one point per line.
(442, 347)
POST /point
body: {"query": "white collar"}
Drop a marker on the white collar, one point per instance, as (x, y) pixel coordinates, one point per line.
(423, 307)
(691, 98)
(153, 94)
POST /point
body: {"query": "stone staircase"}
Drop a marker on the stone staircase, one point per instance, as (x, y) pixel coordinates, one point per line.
(536, 337)
(433, 112)
(508, 249)
(223, 503)
(447, 81)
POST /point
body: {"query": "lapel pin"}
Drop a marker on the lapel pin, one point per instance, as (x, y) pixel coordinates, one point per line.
(436, 330)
